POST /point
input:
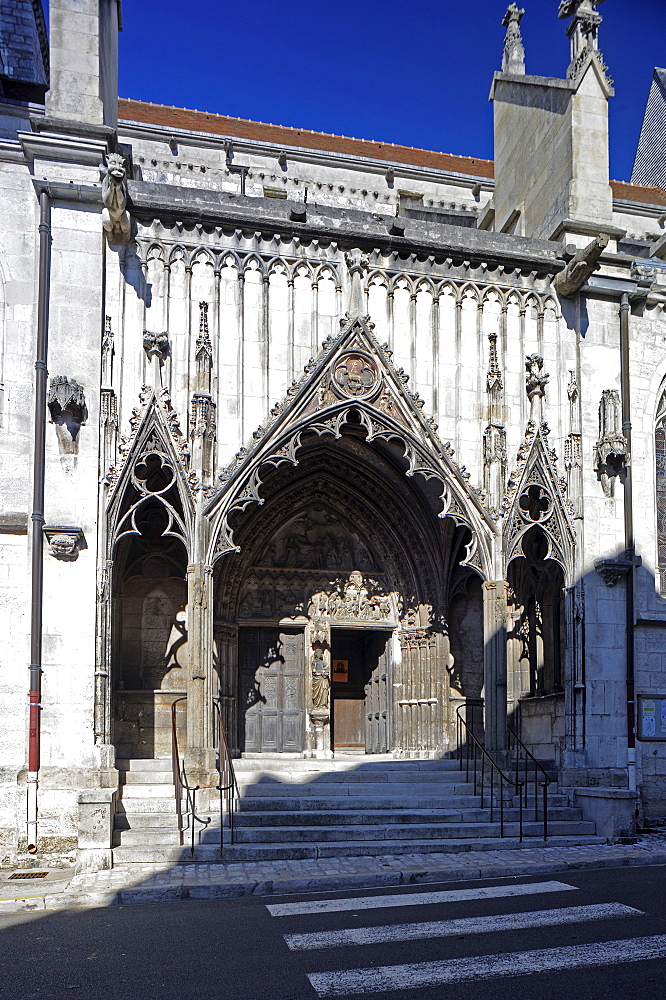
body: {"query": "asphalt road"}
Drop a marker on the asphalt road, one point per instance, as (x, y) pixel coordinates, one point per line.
(570, 936)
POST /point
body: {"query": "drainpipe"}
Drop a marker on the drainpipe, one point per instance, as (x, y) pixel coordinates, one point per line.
(629, 543)
(41, 376)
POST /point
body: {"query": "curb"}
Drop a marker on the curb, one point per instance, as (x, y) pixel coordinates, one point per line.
(136, 895)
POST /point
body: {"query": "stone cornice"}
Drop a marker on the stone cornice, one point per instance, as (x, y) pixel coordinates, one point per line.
(346, 227)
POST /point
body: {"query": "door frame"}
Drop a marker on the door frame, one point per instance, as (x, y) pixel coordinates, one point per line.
(388, 633)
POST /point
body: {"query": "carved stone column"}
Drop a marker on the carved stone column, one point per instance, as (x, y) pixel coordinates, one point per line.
(494, 662)
(200, 755)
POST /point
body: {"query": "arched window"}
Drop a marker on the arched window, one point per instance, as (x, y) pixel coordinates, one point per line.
(660, 484)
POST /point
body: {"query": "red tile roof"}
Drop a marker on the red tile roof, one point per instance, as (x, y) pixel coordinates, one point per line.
(283, 135)
(143, 112)
(638, 192)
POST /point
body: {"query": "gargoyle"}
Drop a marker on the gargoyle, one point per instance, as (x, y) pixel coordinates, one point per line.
(115, 218)
(580, 267)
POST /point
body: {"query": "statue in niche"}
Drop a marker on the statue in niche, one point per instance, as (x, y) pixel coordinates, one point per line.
(321, 682)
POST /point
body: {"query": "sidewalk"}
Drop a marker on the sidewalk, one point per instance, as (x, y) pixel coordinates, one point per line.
(134, 884)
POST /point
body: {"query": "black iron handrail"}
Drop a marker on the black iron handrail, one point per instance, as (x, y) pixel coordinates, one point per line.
(228, 786)
(516, 745)
(181, 785)
(477, 759)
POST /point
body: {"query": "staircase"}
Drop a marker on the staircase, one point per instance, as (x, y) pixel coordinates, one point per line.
(146, 822)
(295, 808)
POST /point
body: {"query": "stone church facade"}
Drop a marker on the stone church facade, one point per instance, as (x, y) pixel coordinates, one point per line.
(337, 437)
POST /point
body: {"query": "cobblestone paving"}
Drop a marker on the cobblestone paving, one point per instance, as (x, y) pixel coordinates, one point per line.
(144, 883)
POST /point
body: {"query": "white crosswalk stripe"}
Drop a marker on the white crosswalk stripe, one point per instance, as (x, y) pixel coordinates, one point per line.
(414, 898)
(450, 928)
(381, 978)
(458, 970)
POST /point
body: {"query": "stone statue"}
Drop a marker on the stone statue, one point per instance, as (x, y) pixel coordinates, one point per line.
(115, 217)
(580, 267)
(321, 682)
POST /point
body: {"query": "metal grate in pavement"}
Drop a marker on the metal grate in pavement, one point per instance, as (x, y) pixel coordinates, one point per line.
(27, 875)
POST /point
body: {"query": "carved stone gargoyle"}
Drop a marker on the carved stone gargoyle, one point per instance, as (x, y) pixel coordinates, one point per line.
(583, 263)
(115, 217)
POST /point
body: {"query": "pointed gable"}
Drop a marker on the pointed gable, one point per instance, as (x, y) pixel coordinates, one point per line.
(536, 496)
(353, 380)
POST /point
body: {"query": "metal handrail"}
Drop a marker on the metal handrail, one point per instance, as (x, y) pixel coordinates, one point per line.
(538, 766)
(228, 786)
(475, 750)
(181, 784)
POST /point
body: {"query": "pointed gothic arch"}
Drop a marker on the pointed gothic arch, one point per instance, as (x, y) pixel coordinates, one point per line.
(349, 447)
(149, 537)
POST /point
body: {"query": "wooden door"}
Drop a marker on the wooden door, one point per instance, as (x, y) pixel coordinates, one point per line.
(377, 690)
(272, 710)
(361, 701)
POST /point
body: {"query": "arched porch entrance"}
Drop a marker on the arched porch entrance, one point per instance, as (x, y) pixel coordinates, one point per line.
(333, 620)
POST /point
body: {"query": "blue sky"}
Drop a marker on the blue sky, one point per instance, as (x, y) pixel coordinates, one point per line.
(417, 74)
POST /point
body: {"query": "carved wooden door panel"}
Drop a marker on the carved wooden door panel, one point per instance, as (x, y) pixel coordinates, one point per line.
(377, 694)
(272, 709)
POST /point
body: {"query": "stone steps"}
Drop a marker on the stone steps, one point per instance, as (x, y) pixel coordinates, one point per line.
(252, 804)
(390, 816)
(404, 831)
(326, 789)
(298, 808)
(210, 852)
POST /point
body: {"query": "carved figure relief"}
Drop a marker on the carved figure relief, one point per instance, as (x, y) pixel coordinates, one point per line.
(354, 602)
(317, 540)
(355, 376)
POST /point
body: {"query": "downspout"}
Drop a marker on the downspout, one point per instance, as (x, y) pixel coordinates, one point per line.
(37, 567)
(629, 543)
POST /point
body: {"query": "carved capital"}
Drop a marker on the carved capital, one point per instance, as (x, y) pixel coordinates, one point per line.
(356, 261)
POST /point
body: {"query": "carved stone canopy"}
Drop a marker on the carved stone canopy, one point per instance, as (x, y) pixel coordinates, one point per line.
(66, 395)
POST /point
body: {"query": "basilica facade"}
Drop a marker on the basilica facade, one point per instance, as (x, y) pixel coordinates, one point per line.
(338, 438)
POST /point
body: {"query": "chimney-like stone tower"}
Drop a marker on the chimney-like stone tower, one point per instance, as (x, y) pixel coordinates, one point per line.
(84, 61)
(551, 136)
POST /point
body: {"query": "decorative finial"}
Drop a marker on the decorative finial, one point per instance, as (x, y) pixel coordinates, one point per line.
(583, 33)
(513, 59)
(494, 375)
(203, 319)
